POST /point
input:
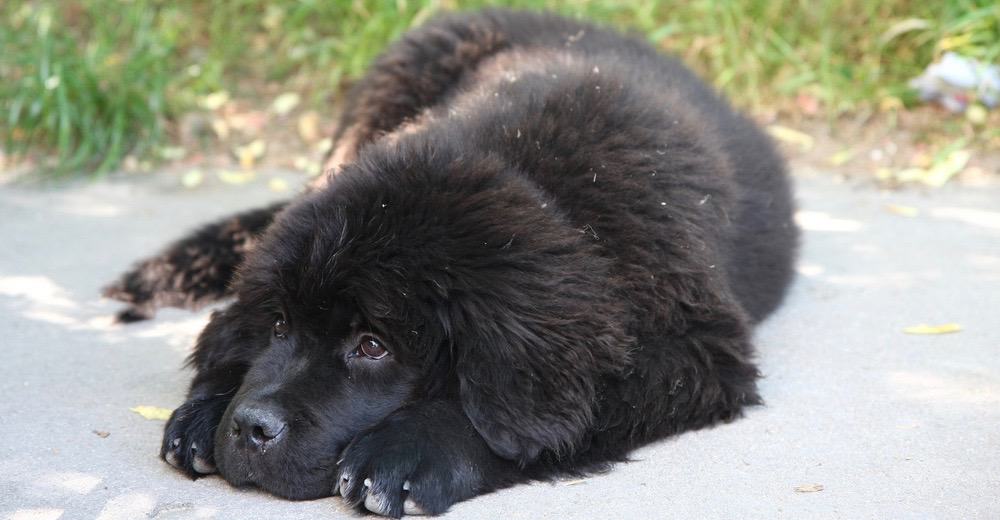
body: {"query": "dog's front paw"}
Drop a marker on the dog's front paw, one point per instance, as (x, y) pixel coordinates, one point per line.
(189, 437)
(400, 469)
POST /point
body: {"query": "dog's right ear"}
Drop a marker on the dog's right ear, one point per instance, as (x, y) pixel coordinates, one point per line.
(531, 348)
(529, 382)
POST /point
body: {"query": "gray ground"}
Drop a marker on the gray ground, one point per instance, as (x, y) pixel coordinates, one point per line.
(890, 425)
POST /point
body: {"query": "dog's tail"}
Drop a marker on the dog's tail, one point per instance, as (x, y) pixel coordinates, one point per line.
(193, 271)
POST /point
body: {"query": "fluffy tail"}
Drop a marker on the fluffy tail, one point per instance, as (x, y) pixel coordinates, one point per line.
(193, 271)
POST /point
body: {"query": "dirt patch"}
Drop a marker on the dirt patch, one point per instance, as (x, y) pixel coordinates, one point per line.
(895, 149)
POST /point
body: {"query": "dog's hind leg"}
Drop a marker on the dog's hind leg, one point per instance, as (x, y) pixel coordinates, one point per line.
(193, 271)
(412, 75)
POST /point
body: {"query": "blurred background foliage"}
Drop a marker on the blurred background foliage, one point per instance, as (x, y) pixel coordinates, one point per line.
(90, 82)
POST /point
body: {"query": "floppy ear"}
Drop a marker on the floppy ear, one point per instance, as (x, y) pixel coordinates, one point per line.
(529, 363)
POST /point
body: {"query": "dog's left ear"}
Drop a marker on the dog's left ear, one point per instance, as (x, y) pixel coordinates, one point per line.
(529, 363)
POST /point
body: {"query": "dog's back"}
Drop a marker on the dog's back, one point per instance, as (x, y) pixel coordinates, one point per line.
(633, 148)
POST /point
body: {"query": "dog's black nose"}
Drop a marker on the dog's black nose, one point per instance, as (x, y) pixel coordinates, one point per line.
(259, 425)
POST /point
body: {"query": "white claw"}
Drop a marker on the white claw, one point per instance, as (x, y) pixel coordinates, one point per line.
(406, 485)
(368, 482)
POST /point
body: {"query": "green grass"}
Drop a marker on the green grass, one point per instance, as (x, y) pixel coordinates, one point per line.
(90, 81)
(91, 92)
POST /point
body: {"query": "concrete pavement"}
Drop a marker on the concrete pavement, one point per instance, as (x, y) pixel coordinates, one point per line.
(888, 425)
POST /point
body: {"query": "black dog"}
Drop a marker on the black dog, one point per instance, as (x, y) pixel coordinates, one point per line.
(544, 244)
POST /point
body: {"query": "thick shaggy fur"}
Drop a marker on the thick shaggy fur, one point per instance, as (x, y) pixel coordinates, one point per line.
(562, 238)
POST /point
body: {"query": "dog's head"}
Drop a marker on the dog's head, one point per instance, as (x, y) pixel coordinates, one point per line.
(415, 275)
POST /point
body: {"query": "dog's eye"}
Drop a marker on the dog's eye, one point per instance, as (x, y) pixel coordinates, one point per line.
(371, 348)
(280, 328)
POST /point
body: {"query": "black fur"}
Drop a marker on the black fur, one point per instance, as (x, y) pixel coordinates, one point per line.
(193, 271)
(562, 237)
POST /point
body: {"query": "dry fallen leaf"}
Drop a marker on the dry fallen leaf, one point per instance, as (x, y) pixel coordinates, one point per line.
(285, 103)
(277, 185)
(101, 434)
(884, 174)
(309, 126)
(307, 166)
(301, 162)
(172, 153)
(890, 103)
(908, 175)
(842, 157)
(925, 329)
(903, 211)
(903, 27)
(220, 127)
(250, 153)
(235, 177)
(248, 122)
(192, 179)
(976, 114)
(809, 488)
(946, 168)
(791, 136)
(153, 413)
(921, 159)
(215, 100)
(324, 145)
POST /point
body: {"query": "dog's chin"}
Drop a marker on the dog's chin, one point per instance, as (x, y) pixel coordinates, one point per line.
(277, 475)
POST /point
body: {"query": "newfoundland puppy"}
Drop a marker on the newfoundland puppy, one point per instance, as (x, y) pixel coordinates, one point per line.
(539, 244)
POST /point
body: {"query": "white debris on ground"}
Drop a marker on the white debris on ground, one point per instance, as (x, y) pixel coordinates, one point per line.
(957, 81)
